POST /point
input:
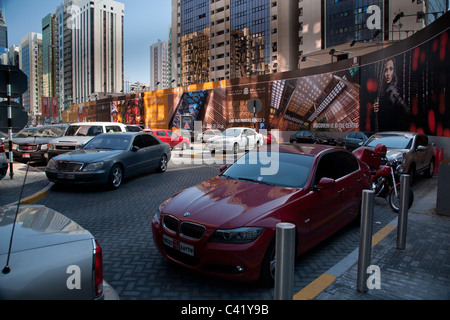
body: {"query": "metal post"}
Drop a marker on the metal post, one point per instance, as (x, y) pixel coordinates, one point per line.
(9, 112)
(284, 261)
(403, 212)
(365, 243)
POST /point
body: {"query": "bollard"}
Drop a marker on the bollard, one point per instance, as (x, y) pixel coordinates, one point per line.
(284, 261)
(365, 242)
(403, 212)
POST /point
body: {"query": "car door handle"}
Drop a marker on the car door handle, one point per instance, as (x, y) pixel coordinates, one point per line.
(341, 190)
(307, 220)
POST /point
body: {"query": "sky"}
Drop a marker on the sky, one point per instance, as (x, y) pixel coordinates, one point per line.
(145, 22)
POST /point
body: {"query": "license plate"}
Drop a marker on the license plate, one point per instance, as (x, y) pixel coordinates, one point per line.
(178, 245)
(25, 155)
(65, 176)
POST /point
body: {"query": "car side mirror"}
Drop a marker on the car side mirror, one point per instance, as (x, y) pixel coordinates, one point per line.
(325, 184)
(134, 148)
(421, 148)
(223, 168)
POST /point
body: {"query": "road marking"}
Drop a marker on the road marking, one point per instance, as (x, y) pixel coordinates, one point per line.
(313, 289)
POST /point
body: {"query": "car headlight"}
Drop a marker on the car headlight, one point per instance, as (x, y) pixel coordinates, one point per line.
(51, 164)
(160, 208)
(50, 146)
(238, 235)
(43, 146)
(14, 146)
(93, 166)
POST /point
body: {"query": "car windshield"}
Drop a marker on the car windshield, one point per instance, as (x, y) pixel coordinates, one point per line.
(83, 130)
(25, 133)
(391, 142)
(49, 132)
(109, 141)
(231, 132)
(282, 169)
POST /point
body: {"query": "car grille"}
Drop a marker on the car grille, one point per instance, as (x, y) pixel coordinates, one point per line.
(187, 229)
(192, 230)
(171, 223)
(28, 148)
(68, 166)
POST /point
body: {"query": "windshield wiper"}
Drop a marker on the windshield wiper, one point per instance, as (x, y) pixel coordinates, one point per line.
(255, 180)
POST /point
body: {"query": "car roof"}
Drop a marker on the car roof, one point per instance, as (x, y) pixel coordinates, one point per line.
(97, 123)
(397, 133)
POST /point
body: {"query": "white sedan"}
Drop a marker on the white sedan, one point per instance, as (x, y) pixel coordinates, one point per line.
(235, 139)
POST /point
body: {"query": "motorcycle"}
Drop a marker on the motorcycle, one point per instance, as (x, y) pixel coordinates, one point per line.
(384, 179)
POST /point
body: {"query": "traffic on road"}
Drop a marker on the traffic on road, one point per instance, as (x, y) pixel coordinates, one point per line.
(128, 221)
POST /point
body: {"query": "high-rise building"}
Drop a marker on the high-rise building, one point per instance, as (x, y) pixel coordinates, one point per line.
(48, 49)
(221, 39)
(159, 65)
(89, 46)
(31, 64)
(97, 48)
(3, 32)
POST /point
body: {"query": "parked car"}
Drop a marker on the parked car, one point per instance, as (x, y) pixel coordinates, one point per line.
(3, 161)
(208, 134)
(51, 257)
(355, 139)
(269, 138)
(109, 158)
(235, 139)
(225, 226)
(306, 136)
(133, 128)
(34, 146)
(411, 149)
(78, 134)
(24, 133)
(172, 138)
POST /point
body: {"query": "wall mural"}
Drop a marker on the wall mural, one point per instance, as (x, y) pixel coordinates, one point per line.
(407, 91)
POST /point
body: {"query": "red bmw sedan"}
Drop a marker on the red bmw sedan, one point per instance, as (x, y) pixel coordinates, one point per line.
(226, 226)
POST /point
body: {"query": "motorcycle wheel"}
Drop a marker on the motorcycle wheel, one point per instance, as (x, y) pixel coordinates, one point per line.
(394, 201)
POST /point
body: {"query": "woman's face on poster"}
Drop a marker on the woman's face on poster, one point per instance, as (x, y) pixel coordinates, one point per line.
(389, 71)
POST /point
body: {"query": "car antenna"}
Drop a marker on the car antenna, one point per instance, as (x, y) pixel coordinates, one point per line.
(7, 269)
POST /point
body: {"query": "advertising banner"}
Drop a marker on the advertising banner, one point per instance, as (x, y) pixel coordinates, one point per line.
(55, 107)
(45, 107)
(408, 91)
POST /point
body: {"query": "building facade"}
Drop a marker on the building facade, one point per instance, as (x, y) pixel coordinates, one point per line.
(30, 61)
(159, 65)
(97, 48)
(222, 39)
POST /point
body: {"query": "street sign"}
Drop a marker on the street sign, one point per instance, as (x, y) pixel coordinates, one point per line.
(254, 105)
(19, 117)
(14, 76)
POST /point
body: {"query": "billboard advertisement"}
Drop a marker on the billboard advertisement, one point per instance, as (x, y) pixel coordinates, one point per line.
(408, 91)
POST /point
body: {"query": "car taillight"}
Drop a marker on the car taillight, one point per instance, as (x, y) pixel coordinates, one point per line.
(2, 148)
(98, 269)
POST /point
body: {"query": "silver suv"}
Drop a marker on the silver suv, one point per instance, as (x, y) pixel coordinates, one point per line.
(77, 134)
(411, 149)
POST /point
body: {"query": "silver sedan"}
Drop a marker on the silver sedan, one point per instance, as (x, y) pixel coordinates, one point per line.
(47, 256)
(109, 158)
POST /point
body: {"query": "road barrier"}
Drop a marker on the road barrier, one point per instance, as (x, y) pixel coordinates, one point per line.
(284, 261)
(403, 212)
(365, 242)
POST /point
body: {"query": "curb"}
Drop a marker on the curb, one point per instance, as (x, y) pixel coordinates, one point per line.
(313, 289)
